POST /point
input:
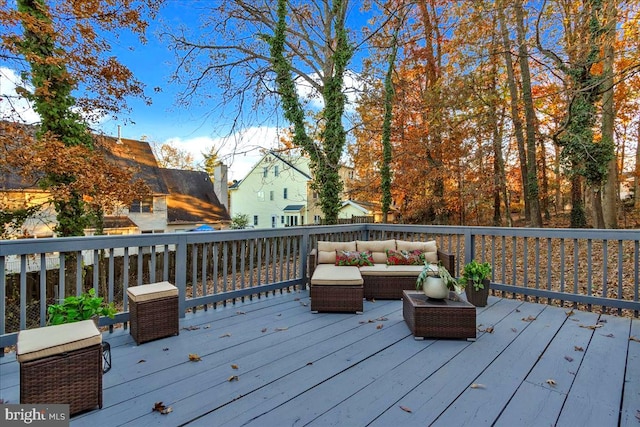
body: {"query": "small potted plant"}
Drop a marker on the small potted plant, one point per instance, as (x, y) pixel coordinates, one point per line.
(83, 307)
(435, 281)
(475, 277)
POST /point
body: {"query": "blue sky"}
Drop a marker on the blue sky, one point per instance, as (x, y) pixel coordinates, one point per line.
(193, 129)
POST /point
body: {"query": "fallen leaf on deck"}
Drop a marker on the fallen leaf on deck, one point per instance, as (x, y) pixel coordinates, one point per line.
(382, 319)
(225, 335)
(405, 409)
(569, 313)
(489, 329)
(296, 299)
(362, 322)
(551, 382)
(240, 312)
(514, 330)
(569, 358)
(638, 414)
(165, 349)
(191, 328)
(279, 314)
(194, 357)
(608, 335)
(207, 326)
(634, 339)
(309, 363)
(592, 327)
(517, 310)
(234, 366)
(159, 407)
(264, 330)
(304, 304)
(476, 385)
(578, 348)
(233, 378)
(379, 326)
(529, 319)
(602, 321)
(141, 361)
(282, 329)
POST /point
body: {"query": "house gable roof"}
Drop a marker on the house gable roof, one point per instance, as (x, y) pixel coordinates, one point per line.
(288, 162)
(192, 198)
(136, 156)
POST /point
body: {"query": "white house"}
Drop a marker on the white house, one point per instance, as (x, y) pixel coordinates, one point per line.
(274, 193)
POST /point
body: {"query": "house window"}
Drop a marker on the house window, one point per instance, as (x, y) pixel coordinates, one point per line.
(315, 195)
(271, 195)
(265, 171)
(255, 220)
(145, 205)
(274, 220)
(316, 219)
(276, 172)
(284, 193)
(261, 196)
(282, 219)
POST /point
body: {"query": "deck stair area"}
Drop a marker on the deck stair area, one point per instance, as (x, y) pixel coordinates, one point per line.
(531, 364)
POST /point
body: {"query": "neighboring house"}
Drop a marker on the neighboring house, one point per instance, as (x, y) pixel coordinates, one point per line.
(192, 201)
(278, 192)
(274, 192)
(179, 200)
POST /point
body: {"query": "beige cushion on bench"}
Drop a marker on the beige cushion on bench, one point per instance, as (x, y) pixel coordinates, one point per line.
(327, 250)
(153, 291)
(37, 343)
(430, 249)
(328, 274)
(393, 270)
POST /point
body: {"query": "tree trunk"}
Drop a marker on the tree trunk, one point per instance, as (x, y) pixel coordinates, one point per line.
(515, 114)
(531, 190)
(610, 196)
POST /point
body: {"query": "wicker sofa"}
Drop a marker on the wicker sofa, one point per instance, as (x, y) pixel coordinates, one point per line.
(379, 281)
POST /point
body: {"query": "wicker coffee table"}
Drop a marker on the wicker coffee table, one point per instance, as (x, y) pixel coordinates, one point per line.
(448, 318)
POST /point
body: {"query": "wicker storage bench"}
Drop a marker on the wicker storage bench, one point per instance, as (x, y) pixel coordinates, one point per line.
(153, 311)
(61, 364)
(333, 293)
(448, 318)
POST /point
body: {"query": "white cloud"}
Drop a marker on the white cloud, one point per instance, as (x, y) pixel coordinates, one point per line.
(239, 151)
(14, 107)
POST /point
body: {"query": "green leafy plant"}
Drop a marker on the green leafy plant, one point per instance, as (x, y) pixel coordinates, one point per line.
(474, 273)
(427, 271)
(77, 308)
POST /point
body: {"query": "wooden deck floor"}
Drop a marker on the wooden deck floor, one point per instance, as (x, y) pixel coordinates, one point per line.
(538, 367)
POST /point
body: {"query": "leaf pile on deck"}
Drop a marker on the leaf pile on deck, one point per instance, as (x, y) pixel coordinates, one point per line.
(164, 410)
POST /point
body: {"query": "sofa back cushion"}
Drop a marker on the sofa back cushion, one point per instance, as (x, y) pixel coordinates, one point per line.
(429, 248)
(327, 250)
(378, 249)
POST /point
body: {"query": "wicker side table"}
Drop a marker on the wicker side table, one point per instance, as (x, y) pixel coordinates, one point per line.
(61, 364)
(427, 318)
(153, 311)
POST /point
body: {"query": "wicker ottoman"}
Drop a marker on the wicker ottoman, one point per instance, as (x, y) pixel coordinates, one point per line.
(61, 364)
(336, 289)
(153, 311)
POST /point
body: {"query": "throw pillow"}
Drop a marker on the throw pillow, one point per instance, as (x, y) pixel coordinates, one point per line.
(414, 257)
(354, 258)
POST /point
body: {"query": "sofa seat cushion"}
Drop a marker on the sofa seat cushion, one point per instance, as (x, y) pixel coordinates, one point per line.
(393, 270)
(329, 274)
(429, 249)
(327, 250)
(378, 248)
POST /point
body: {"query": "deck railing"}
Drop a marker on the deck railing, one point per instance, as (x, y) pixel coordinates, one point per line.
(585, 268)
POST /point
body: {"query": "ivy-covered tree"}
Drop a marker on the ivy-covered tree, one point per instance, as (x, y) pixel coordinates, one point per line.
(60, 45)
